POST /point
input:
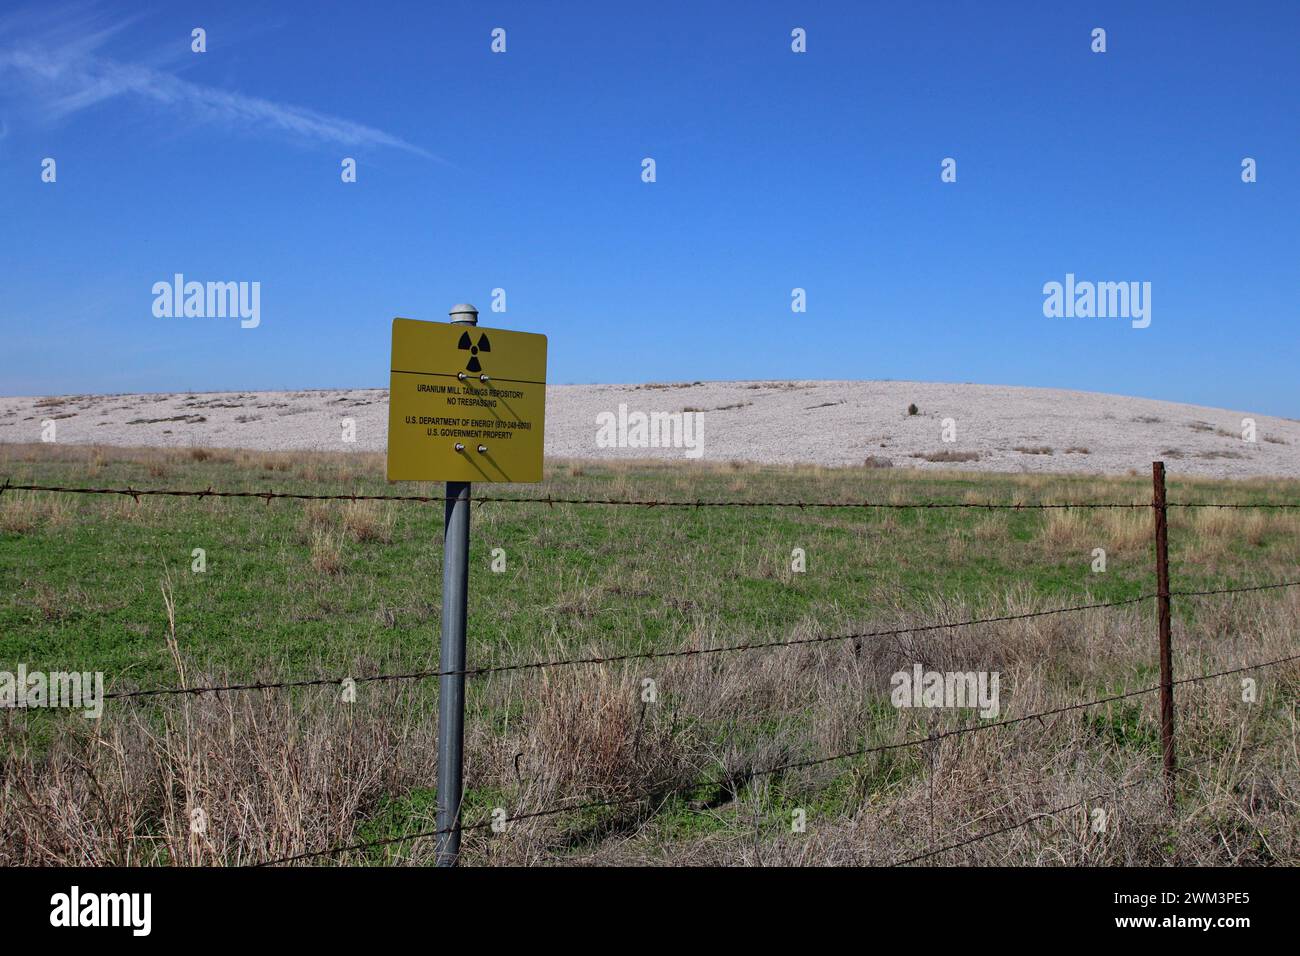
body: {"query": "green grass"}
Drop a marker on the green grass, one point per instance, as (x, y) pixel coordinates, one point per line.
(81, 589)
(82, 579)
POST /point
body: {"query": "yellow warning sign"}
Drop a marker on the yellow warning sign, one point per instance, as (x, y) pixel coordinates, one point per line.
(465, 403)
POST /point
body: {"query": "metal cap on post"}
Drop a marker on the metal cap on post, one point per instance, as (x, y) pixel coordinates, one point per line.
(451, 660)
(463, 314)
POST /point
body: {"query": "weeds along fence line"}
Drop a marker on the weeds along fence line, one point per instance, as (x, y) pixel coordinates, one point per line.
(1076, 805)
(665, 789)
(1163, 596)
(658, 655)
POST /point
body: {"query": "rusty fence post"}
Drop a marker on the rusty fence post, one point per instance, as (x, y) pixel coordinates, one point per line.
(1162, 615)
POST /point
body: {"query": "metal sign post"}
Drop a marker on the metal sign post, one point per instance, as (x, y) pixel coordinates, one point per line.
(451, 654)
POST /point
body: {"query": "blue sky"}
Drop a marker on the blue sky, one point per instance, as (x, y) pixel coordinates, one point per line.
(775, 170)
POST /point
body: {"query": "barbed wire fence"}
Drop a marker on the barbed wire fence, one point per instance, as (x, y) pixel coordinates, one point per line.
(668, 788)
(270, 495)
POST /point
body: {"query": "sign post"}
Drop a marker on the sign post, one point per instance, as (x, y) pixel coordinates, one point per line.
(464, 404)
(451, 653)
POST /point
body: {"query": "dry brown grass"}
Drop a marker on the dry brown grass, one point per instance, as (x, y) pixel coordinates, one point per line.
(1068, 530)
(948, 456)
(220, 781)
(23, 512)
(316, 516)
(326, 552)
(1124, 530)
(278, 774)
(368, 521)
(1082, 530)
(1214, 531)
(979, 782)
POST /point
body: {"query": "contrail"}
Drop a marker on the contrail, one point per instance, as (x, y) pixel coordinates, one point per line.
(68, 77)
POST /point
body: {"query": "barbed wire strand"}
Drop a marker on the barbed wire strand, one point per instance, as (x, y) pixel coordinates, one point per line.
(1242, 590)
(550, 500)
(1224, 504)
(658, 655)
(619, 658)
(662, 790)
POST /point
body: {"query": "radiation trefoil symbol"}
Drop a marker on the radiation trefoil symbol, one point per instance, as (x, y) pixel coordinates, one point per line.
(467, 344)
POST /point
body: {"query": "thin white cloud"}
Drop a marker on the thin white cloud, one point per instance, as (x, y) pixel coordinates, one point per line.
(66, 74)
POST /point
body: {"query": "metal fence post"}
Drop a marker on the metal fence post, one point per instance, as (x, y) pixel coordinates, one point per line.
(1162, 613)
(451, 657)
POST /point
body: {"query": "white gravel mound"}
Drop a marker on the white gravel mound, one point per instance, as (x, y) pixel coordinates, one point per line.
(996, 428)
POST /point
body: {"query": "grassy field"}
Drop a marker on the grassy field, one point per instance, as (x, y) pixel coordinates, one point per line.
(308, 589)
